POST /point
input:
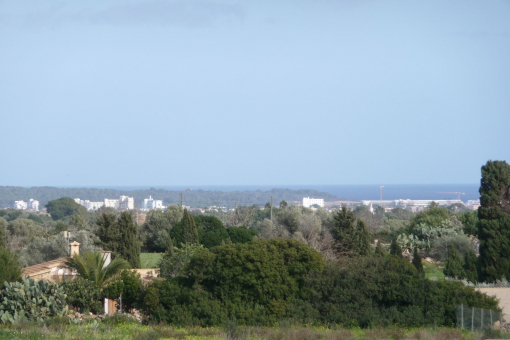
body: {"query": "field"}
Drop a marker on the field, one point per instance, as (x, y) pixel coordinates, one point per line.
(433, 270)
(150, 260)
(118, 328)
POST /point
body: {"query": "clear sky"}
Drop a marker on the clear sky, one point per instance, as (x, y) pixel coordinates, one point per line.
(252, 92)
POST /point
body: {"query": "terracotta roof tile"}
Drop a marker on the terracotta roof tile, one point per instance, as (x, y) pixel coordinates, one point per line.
(43, 267)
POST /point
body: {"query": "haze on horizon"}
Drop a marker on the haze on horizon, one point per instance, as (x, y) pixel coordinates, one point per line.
(197, 92)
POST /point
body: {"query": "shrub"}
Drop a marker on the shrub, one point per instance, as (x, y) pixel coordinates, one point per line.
(129, 284)
(241, 234)
(382, 291)
(84, 295)
(254, 282)
(31, 300)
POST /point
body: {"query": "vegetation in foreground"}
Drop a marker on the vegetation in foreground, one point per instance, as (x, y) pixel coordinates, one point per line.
(122, 328)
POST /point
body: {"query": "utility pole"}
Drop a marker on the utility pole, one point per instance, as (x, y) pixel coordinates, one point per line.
(181, 199)
(271, 208)
(382, 186)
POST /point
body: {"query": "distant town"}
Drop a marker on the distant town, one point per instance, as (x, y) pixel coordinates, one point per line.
(124, 203)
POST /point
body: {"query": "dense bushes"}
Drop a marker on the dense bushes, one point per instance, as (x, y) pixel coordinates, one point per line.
(84, 295)
(387, 290)
(253, 282)
(129, 285)
(264, 282)
(212, 232)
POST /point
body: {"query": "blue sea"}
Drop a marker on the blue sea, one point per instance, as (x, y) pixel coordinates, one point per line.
(353, 192)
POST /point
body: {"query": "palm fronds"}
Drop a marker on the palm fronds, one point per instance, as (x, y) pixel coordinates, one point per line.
(91, 266)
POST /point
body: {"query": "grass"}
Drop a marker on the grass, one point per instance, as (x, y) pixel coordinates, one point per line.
(132, 330)
(433, 270)
(150, 260)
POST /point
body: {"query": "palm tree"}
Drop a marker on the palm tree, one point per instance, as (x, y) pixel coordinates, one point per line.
(90, 266)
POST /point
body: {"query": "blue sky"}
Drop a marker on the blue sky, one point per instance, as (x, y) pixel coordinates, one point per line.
(192, 92)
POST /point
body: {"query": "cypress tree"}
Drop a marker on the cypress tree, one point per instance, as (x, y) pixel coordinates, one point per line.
(169, 246)
(379, 251)
(494, 226)
(470, 270)
(417, 261)
(343, 230)
(129, 247)
(454, 264)
(108, 232)
(362, 245)
(10, 269)
(395, 248)
(190, 229)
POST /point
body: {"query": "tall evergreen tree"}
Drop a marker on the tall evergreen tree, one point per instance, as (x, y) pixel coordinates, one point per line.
(10, 269)
(379, 251)
(108, 232)
(494, 226)
(190, 229)
(362, 240)
(395, 248)
(470, 264)
(417, 261)
(129, 246)
(454, 264)
(344, 229)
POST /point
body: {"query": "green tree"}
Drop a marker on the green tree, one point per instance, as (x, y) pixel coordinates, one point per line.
(453, 267)
(190, 229)
(60, 227)
(129, 246)
(76, 222)
(395, 248)
(241, 234)
(417, 261)
(283, 204)
(64, 207)
(129, 284)
(494, 226)
(379, 251)
(10, 269)
(470, 264)
(90, 266)
(173, 263)
(470, 222)
(362, 241)
(84, 295)
(156, 231)
(108, 232)
(344, 229)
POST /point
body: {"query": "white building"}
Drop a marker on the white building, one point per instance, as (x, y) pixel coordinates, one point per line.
(308, 202)
(152, 204)
(111, 203)
(88, 204)
(123, 203)
(33, 205)
(20, 205)
(126, 203)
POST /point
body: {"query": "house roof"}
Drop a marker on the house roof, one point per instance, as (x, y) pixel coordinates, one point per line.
(44, 267)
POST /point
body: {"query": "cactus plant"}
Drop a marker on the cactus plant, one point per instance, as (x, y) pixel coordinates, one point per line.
(422, 235)
(31, 300)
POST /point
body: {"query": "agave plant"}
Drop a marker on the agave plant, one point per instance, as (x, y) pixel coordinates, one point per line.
(91, 266)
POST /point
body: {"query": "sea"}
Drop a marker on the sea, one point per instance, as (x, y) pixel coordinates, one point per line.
(349, 192)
